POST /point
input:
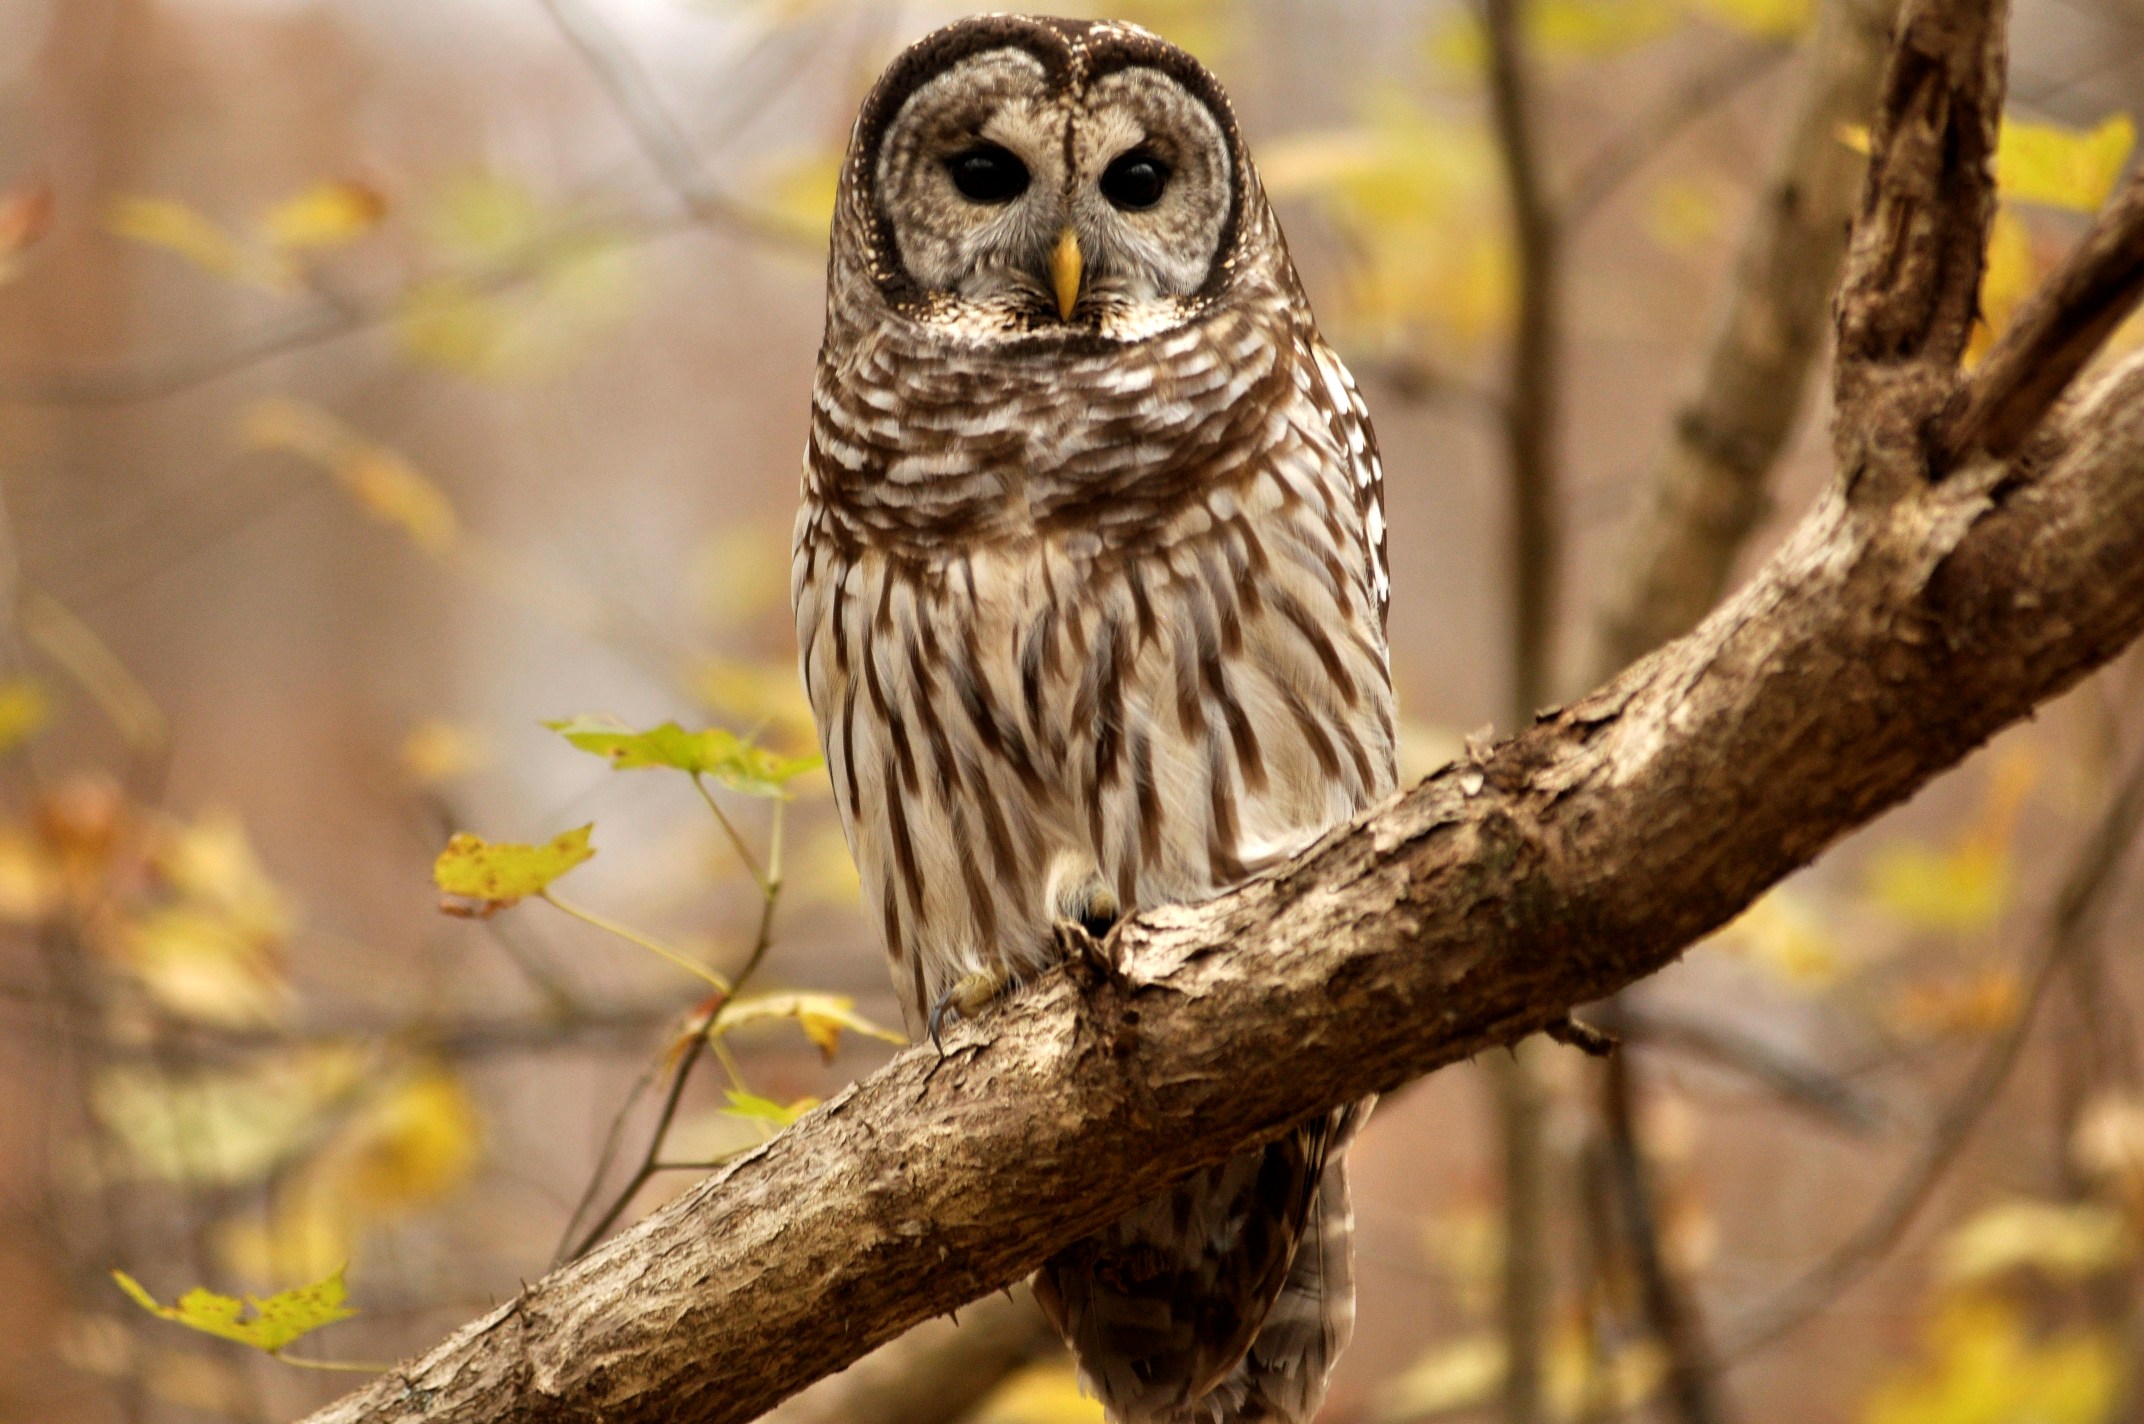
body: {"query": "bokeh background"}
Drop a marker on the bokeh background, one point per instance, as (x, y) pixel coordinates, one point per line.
(380, 379)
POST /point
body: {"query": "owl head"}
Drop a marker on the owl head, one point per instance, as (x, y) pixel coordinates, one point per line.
(1047, 182)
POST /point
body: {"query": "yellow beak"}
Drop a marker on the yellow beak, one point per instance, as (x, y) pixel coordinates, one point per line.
(1065, 268)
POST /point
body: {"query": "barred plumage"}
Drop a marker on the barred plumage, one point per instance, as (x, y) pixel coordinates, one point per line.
(1090, 593)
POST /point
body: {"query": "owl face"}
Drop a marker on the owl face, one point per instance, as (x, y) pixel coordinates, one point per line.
(1020, 178)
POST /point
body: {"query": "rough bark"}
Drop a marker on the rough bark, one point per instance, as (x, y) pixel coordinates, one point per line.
(1905, 621)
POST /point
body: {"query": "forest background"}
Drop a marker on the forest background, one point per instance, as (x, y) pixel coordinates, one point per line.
(380, 383)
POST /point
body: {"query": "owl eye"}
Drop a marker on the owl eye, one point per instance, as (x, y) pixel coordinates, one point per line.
(1135, 180)
(987, 174)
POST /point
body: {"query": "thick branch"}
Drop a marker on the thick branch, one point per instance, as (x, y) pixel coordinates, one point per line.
(1879, 647)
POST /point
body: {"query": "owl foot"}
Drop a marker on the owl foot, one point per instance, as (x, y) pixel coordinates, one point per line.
(967, 998)
(1080, 938)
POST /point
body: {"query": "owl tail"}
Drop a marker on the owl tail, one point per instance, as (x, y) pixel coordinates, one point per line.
(1225, 1299)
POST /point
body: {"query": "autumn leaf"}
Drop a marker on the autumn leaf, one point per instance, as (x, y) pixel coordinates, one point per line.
(2059, 1240)
(1786, 934)
(1977, 1004)
(1985, 1365)
(325, 215)
(1047, 1392)
(222, 1126)
(723, 756)
(754, 1108)
(823, 1017)
(528, 288)
(1559, 30)
(1765, 19)
(413, 1139)
(176, 228)
(1417, 193)
(381, 482)
(496, 875)
(2010, 274)
(32, 885)
(438, 751)
(2062, 167)
(801, 189)
(24, 710)
(273, 1322)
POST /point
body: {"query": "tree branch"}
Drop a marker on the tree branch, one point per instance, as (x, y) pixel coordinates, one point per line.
(2061, 329)
(1878, 648)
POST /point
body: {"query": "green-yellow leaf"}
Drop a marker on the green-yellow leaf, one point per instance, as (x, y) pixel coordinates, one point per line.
(754, 1108)
(734, 761)
(24, 710)
(380, 481)
(274, 1322)
(821, 1016)
(499, 874)
(2062, 167)
(325, 215)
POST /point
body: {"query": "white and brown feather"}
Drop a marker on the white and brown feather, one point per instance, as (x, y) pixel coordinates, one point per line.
(1102, 606)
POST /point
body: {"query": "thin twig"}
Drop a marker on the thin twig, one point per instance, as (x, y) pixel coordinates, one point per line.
(1692, 1385)
(647, 1168)
(1795, 1080)
(1529, 429)
(1623, 154)
(627, 86)
(2062, 328)
(2071, 925)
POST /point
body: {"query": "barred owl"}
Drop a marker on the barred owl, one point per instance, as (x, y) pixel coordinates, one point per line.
(1090, 592)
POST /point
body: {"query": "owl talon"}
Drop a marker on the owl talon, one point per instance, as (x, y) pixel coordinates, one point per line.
(965, 999)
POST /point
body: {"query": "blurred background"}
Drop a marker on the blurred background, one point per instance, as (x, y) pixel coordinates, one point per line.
(381, 379)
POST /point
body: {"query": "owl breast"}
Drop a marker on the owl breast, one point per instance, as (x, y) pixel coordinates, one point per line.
(1086, 627)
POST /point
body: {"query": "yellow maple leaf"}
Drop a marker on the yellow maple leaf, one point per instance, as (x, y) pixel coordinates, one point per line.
(494, 875)
(266, 1323)
(2062, 167)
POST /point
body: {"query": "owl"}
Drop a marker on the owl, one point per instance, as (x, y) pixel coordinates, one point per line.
(1090, 590)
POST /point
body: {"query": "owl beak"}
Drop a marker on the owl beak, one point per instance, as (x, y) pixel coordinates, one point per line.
(1066, 265)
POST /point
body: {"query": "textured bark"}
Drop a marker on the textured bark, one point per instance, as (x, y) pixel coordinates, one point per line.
(1709, 488)
(1905, 621)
